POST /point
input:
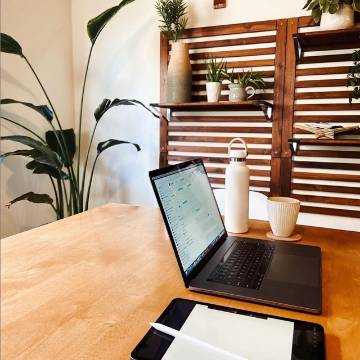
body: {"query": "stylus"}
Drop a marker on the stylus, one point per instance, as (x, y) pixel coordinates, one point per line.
(170, 331)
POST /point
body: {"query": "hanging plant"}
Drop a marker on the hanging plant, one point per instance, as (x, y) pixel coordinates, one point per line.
(353, 78)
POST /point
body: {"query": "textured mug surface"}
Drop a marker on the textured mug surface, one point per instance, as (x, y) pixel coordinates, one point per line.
(283, 213)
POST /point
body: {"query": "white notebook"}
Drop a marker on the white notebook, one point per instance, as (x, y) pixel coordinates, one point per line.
(250, 337)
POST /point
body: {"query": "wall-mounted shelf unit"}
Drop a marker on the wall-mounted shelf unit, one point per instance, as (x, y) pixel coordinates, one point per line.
(296, 143)
(254, 105)
(325, 40)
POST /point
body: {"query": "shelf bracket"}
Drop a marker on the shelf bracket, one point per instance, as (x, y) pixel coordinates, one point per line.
(294, 145)
(267, 110)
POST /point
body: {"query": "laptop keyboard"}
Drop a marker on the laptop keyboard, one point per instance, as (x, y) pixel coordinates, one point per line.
(246, 266)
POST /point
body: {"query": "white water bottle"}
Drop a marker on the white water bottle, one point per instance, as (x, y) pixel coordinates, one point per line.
(237, 176)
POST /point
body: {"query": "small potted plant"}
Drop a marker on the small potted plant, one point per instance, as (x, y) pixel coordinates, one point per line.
(243, 82)
(173, 21)
(333, 14)
(354, 77)
(215, 71)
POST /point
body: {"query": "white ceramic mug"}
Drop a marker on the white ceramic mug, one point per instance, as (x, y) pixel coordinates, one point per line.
(283, 213)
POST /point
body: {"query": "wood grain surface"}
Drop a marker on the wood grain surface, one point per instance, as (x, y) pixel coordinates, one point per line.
(86, 287)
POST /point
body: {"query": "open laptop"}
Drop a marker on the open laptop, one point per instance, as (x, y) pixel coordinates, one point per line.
(270, 272)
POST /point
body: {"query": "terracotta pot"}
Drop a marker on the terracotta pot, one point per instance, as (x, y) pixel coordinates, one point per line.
(213, 90)
(343, 19)
(178, 83)
(283, 213)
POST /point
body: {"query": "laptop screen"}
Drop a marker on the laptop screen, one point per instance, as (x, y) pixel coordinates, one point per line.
(191, 212)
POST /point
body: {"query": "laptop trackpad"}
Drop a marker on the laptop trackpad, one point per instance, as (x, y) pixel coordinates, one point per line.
(294, 269)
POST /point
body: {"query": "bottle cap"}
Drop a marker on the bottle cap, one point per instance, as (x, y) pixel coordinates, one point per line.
(237, 154)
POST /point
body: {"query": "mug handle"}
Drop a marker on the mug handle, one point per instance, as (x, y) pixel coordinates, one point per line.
(253, 91)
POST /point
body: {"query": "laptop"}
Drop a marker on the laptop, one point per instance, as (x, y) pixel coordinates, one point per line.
(269, 272)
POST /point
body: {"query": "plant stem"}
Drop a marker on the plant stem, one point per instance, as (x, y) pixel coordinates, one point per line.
(25, 128)
(81, 113)
(90, 182)
(61, 199)
(82, 188)
(56, 195)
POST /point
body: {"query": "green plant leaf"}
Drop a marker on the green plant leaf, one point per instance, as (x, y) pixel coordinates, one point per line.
(97, 24)
(316, 14)
(107, 104)
(44, 110)
(9, 45)
(70, 144)
(27, 153)
(102, 146)
(34, 198)
(48, 156)
(39, 168)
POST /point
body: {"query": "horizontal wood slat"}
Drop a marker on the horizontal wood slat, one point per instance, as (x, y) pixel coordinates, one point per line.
(326, 107)
(215, 150)
(326, 58)
(238, 64)
(327, 200)
(202, 77)
(220, 119)
(323, 176)
(218, 160)
(323, 165)
(217, 139)
(232, 42)
(253, 172)
(329, 153)
(330, 211)
(223, 129)
(323, 70)
(232, 53)
(323, 95)
(231, 29)
(326, 188)
(320, 83)
(257, 183)
(327, 118)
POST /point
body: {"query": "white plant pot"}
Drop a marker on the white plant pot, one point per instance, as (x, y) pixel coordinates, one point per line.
(213, 90)
(343, 19)
(283, 213)
(178, 82)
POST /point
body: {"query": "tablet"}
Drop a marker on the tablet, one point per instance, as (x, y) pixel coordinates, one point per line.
(307, 342)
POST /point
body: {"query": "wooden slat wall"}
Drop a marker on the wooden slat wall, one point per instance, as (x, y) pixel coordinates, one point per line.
(243, 46)
(325, 177)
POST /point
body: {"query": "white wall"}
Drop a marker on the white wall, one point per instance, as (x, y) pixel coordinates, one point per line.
(43, 28)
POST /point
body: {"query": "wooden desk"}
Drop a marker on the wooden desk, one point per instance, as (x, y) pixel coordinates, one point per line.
(86, 287)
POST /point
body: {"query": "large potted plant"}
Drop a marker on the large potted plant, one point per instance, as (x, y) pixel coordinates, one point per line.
(214, 76)
(53, 153)
(173, 15)
(243, 82)
(333, 14)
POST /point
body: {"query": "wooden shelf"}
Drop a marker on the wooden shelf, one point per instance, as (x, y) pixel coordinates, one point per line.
(296, 143)
(263, 106)
(326, 40)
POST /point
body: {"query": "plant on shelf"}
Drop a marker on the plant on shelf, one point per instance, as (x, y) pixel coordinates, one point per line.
(353, 78)
(334, 14)
(215, 70)
(53, 153)
(242, 82)
(173, 15)
(173, 20)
